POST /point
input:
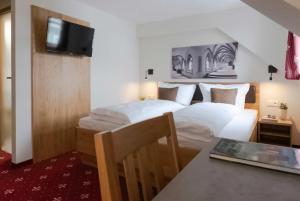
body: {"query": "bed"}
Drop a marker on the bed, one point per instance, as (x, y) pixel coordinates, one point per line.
(189, 144)
(109, 118)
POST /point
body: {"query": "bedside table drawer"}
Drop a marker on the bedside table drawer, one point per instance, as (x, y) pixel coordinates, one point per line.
(275, 133)
(275, 128)
(276, 140)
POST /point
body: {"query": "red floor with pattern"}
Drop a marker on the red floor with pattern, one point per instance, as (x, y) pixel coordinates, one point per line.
(58, 179)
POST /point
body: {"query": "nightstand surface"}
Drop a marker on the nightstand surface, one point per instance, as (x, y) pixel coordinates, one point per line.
(278, 122)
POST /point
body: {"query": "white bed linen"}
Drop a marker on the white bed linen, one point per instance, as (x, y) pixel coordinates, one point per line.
(97, 125)
(198, 124)
(239, 128)
(203, 120)
(133, 112)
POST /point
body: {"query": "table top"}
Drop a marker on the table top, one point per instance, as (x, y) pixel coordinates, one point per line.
(207, 179)
(278, 122)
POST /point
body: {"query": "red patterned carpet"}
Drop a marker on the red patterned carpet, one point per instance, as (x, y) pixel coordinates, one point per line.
(5, 159)
(58, 179)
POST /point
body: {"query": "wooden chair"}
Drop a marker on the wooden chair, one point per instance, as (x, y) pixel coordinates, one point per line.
(136, 148)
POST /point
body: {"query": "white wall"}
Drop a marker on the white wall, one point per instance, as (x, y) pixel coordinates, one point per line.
(114, 66)
(261, 42)
(155, 52)
(258, 34)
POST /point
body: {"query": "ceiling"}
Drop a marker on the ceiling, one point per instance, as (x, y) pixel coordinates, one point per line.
(144, 11)
(286, 13)
(295, 3)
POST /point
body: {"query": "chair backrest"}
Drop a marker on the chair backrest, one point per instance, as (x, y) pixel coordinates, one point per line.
(136, 148)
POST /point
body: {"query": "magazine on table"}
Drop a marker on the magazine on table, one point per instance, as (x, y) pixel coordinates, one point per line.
(274, 157)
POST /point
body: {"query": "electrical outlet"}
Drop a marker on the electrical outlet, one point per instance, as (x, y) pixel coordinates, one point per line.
(273, 103)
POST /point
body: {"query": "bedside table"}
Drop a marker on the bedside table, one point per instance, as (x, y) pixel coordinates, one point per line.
(278, 133)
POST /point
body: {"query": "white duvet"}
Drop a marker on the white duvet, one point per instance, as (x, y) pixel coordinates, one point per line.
(134, 111)
(202, 121)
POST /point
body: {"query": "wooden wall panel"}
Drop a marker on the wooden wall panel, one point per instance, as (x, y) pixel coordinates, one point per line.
(1, 78)
(60, 91)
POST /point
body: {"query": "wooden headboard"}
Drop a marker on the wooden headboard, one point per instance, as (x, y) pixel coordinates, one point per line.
(252, 98)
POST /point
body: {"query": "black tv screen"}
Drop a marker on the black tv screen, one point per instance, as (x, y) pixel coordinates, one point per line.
(67, 37)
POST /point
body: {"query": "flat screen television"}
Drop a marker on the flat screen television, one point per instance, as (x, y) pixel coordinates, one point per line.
(70, 38)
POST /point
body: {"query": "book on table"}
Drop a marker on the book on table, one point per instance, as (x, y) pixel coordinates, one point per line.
(274, 157)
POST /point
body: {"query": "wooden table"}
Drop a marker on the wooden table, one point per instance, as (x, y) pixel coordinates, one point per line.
(206, 179)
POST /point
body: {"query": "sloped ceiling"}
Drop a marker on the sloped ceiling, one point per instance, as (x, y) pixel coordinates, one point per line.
(260, 35)
(284, 12)
(144, 11)
(295, 3)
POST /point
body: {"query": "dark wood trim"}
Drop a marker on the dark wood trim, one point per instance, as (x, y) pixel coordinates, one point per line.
(5, 10)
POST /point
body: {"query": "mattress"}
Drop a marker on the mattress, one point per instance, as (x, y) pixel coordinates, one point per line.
(98, 125)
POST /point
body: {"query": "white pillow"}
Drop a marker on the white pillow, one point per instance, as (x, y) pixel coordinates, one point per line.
(240, 98)
(185, 92)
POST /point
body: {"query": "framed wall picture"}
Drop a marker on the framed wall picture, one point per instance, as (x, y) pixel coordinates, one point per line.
(215, 61)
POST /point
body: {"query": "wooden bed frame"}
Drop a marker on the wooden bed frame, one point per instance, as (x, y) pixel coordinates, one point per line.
(86, 146)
